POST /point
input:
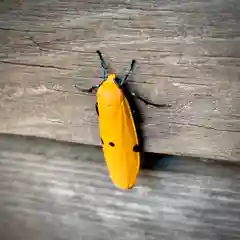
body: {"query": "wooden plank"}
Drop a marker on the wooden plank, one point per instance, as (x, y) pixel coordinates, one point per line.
(187, 55)
(53, 190)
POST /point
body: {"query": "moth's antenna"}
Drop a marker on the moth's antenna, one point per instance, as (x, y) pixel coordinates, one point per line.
(130, 70)
(103, 63)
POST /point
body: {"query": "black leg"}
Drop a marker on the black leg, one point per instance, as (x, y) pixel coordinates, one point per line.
(88, 90)
(150, 103)
(96, 106)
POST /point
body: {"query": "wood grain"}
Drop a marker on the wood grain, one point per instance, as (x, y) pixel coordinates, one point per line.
(51, 190)
(187, 55)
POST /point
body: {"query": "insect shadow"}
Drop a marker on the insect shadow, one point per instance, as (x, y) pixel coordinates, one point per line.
(137, 117)
(149, 160)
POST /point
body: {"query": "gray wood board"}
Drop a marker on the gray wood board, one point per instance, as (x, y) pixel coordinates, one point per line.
(51, 190)
(187, 55)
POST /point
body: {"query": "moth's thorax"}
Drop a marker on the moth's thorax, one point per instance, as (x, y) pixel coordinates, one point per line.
(109, 94)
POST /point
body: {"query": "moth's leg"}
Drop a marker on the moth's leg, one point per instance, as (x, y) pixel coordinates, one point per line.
(96, 106)
(148, 102)
(88, 90)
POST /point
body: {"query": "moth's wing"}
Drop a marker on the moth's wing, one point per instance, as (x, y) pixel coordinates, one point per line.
(120, 140)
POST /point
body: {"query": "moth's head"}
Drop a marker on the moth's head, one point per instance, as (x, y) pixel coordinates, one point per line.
(111, 77)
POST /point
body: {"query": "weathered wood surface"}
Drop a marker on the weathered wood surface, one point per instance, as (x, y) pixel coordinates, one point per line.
(188, 55)
(51, 191)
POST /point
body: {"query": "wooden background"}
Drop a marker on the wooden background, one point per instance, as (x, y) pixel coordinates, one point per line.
(188, 55)
(51, 190)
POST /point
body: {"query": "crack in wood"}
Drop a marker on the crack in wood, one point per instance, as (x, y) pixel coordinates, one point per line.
(201, 126)
(26, 30)
(34, 65)
(37, 44)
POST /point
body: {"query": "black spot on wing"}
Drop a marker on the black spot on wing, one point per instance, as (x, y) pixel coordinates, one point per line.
(102, 141)
(111, 144)
(136, 148)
